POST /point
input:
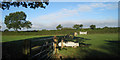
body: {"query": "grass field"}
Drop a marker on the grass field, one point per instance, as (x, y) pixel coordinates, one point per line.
(8, 38)
(101, 46)
(99, 40)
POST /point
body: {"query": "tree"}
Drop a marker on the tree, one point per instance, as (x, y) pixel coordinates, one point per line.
(27, 24)
(76, 26)
(59, 27)
(105, 27)
(0, 27)
(92, 26)
(30, 4)
(17, 20)
(81, 25)
(6, 30)
(44, 30)
(67, 28)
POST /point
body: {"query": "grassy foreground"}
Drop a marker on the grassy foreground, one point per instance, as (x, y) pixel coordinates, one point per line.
(101, 46)
(13, 46)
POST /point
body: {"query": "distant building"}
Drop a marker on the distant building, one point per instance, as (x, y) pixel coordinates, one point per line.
(83, 32)
(69, 44)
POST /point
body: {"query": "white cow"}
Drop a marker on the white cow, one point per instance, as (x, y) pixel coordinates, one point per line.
(72, 44)
(83, 32)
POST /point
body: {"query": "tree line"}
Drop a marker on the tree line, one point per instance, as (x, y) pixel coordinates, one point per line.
(76, 26)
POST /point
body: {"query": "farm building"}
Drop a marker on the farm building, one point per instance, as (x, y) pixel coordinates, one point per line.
(69, 44)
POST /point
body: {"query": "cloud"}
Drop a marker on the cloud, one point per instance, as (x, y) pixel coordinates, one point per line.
(57, 15)
(51, 20)
(92, 6)
(86, 23)
(84, 8)
(64, 13)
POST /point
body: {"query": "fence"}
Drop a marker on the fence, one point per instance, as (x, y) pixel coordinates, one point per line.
(43, 50)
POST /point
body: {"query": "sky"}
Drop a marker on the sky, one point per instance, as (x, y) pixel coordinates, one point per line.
(67, 0)
(68, 14)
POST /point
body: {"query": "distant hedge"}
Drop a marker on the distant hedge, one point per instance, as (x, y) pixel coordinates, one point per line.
(61, 32)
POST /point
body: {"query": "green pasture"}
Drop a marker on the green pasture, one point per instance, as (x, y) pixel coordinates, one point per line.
(98, 40)
(8, 38)
(101, 46)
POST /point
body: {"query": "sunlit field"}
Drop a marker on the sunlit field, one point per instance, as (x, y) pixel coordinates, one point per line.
(8, 38)
(101, 46)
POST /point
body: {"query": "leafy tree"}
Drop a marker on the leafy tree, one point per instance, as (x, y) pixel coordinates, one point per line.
(59, 27)
(81, 25)
(31, 4)
(67, 28)
(26, 24)
(0, 27)
(17, 21)
(6, 30)
(92, 26)
(44, 30)
(105, 27)
(76, 26)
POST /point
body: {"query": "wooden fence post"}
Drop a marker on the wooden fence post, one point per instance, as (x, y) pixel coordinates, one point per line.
(75, 33)
(27, 49)
(61, 43)
(55, 44)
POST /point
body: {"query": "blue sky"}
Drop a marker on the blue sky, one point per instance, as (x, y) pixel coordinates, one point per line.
(69, 13)
(69, 0)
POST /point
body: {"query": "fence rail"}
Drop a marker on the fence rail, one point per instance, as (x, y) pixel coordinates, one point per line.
(44, 51)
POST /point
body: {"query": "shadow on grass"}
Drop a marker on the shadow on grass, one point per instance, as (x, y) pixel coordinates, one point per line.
(98, 55)
(113, 47)
(13, 50)
(86, 53)
(81, 38)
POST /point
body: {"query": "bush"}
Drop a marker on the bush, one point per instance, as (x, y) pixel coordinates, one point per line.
(67, 28)
(44, 30)
(105, 27)
(6, 30)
